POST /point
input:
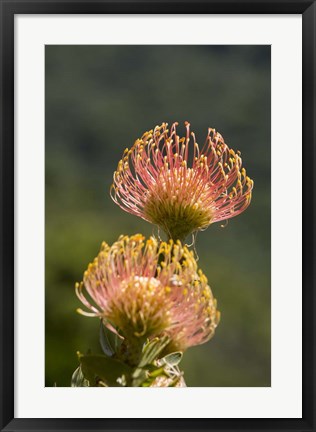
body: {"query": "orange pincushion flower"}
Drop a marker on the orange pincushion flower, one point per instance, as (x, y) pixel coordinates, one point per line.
(159, 181)
(149, 288)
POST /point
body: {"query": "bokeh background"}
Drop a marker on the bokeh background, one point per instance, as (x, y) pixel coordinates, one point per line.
(99, 99)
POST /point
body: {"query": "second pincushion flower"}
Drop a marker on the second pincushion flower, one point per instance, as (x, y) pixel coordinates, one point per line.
(148, 289)
(171, 182)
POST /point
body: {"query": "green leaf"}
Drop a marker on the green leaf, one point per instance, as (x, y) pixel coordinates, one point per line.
(139, 377)
(152, 350)
(106, 369)
(78, 379)
(173, 359)
(106, 341)
(143, 377)
(159, 371)
(146, 370)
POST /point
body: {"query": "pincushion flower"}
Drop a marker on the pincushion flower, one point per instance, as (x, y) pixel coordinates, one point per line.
(149, 288)
(171, 182)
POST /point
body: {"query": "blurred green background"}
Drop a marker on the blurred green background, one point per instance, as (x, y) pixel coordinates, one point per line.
(99, 99)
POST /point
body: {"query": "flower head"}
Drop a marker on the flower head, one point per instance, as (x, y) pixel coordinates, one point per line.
(147, 288)
(170, 182)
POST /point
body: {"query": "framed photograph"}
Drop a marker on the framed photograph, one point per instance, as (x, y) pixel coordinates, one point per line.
(157, 207)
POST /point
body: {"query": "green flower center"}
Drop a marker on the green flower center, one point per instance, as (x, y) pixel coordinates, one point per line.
(176, 219)
(176, 203)
(139, 310)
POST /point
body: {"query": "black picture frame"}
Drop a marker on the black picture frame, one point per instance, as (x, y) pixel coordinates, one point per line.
(8, 10)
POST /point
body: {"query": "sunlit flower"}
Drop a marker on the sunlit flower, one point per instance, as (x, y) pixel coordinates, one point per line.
(149, 288)
(171, 182)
